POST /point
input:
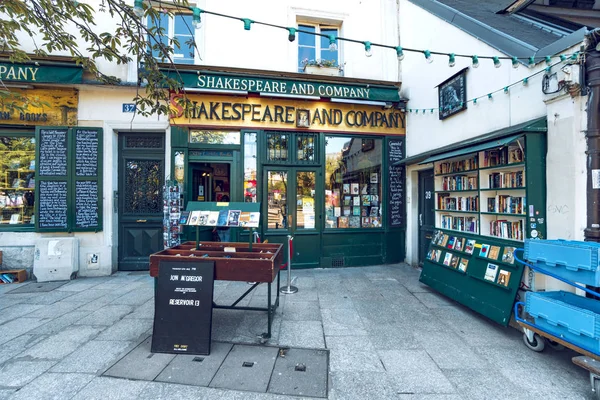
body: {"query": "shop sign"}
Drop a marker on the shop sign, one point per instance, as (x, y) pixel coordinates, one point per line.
(224, 111)
(56, 107)
(31, 73)
(286, 86)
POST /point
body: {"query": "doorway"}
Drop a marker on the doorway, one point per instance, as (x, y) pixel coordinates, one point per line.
(291, 207)
(141, 175)
(426, 212)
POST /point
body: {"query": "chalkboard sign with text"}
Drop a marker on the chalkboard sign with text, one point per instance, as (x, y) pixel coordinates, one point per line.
(452, 94)
(52, 205)
(53, 152)
(68, 179)
(183, 308)
(86, 152)
(396, 183)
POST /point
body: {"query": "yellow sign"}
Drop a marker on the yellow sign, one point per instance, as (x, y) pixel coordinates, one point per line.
(478, 245)
(53, 107)
(257, 112)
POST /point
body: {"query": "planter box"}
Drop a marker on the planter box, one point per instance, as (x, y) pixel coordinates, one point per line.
(315, 70)
(259, 265)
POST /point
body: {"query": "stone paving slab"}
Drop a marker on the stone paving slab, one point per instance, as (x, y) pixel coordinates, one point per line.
(50, 386)
(38, 287)
(103, 388)
(140, 363)
(93, 357)
(195, 370)
(127, 329)
(19, 373)
(300, 373)
(246, 368)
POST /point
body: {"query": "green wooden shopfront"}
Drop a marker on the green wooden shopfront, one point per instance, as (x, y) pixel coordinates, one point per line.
(321, 166)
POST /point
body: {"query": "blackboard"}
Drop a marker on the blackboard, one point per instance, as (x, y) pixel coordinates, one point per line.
(53, 152)
(52, 204)
(396, 183)
(183, 308)
(86, 152)
(86, 204)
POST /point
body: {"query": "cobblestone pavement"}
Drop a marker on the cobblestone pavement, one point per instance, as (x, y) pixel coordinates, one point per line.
(389, 337)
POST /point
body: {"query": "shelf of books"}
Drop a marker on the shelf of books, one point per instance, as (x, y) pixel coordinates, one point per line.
(487, 203)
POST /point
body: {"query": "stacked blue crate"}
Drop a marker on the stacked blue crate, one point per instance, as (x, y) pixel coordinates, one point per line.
(573, 318)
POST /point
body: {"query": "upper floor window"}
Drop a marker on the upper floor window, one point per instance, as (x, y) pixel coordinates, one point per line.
(178, 32)
(315, 47)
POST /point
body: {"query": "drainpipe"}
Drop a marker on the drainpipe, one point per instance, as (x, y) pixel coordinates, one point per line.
(592, 135)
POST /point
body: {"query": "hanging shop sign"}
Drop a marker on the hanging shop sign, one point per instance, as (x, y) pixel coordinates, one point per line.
(254, 112)
(31, 73)
(285, 86)
(55, 107)
(452, 94)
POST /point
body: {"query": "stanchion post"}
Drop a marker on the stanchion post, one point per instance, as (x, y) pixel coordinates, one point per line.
(289, 289)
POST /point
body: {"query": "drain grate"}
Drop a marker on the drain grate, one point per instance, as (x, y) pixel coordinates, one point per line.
(337, 262)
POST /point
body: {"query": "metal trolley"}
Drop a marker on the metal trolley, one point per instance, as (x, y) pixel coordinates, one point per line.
(536, 337)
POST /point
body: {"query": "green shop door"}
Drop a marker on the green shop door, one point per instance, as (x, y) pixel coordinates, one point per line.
(426, 212)
(292, 205)
(140, 216)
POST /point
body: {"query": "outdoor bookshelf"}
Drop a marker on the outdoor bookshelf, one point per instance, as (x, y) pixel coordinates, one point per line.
(487, 202)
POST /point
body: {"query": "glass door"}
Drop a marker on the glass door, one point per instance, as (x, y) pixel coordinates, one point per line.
(292, 207)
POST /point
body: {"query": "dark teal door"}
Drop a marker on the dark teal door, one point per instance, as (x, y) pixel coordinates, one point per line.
(140, 205)
(426, 211)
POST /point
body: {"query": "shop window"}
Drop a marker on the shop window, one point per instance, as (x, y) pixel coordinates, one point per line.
(277, 146)
(353, 182)
(305, 196)
(167, 28)
(214, 137)
(250, 167)
(17, 180)
(316, 47)
(277, 183)
(305, 147)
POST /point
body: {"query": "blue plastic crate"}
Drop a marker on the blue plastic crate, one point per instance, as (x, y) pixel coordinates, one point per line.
(573, 318)
(572, 260)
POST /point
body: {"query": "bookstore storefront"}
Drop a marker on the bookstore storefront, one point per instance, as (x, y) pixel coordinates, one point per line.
(322, 170)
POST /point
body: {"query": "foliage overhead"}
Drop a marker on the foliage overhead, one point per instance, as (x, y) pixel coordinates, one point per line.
(69, 27)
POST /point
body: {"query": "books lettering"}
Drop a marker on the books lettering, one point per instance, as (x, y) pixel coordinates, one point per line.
(448, 259)
(462, 266)
(254, 220)
(494, 252)
(470, 246)
(508, 255)
(354, 188)
(213, 216)
(438, 255)
(458, 244)
(356, 201)
(183, 219)
(451, 242)
(490, 272)
(244, 219)
(203, 218)
(484, 250)
(354, 221)
(343, 222)
(444, 240)
(503, 277)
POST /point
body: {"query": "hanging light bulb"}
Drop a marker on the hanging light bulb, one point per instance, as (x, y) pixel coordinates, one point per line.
(475, 61)
(474, 101)
(138, 8)
(428, 57)
(506, 90)
(368, 51)
(515, 62)
(531, 62)
(490, 96)
(451, 60)
(548, 60)
(332, 44)
(247, 23)
(196, 20)
(497, 63)
(563, 58)
(399, 53)
(292, 35)
(575, 56)
(525, 81)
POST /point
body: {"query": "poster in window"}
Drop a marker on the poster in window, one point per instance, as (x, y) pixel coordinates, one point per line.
(452, 94)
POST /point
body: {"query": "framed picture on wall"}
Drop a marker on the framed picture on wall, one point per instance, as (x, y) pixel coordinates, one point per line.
(220, 169)
(452, 94)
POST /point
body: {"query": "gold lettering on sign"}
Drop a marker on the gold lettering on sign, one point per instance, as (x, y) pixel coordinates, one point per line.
(27, 74)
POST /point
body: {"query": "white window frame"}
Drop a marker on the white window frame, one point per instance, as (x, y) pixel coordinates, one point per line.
(170, 32)
(318, 28)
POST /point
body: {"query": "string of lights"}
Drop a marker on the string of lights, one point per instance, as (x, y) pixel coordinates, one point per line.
(531, 61)
(505, 89)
